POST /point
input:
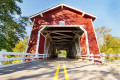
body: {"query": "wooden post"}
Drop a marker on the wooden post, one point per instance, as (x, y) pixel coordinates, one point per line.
(89, 57)
(103, 58)
(23, 60)
(92, 57)
(2, 58)
(43, 56)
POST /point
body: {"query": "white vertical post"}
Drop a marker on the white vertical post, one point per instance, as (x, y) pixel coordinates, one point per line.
(23, 60)
(87, 43)
(32, 57)
(2, 58)
(46, 55)
(89, 56)
(43, 56)
(38, 40)
(103, 58)
(92, 57)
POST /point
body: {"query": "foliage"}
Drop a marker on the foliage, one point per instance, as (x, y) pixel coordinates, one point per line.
(101, 33)
(12, 24)
(108, 43)
(21, 46)
(62, 52)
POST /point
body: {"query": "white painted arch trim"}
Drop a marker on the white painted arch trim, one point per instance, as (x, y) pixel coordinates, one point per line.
(38, 39)
(80, 26)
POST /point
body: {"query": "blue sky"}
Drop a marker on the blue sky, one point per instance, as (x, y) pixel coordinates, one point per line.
(107, 11)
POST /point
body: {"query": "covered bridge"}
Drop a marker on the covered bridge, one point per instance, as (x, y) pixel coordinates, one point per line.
(63, 27)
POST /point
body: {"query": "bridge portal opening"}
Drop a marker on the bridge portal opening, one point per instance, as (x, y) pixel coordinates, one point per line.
(62, 54)
(62, 37)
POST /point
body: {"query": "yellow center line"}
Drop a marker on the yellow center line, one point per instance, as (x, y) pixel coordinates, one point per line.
(57, 72)
(65, 72)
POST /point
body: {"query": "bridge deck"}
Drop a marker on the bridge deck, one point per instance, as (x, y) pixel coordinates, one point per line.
(46, 69)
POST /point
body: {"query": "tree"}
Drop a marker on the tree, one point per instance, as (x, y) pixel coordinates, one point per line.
(21, 46)
(12, 28)
(101, 33)
(113, 42)
(109, 43)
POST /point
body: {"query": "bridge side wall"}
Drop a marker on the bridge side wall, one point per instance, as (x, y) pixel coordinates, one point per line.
(70, 17)
(41, 44)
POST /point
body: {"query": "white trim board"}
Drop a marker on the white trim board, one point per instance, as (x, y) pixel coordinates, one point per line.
(95, 36)
(83, 12)
(38, 39)
(87, 43)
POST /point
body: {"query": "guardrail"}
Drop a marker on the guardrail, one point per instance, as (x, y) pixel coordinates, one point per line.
(24, 56)
(99, 57)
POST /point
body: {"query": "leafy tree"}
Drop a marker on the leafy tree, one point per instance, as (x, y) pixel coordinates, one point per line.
(101, 33)
(21, 46)
(109, 43)
(12, 28)
(110, 51)
(64, 52)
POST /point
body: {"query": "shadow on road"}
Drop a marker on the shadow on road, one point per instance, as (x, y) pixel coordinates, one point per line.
(26, 66)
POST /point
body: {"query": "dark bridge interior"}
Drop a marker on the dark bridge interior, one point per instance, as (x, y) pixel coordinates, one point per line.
(62, 38)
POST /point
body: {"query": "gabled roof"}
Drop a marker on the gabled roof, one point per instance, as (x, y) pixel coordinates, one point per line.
(83, 12)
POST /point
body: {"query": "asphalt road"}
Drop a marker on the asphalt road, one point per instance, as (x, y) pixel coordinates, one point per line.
(60, 69)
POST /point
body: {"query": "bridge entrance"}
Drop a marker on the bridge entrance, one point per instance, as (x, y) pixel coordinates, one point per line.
(62, 54)
(62, 37)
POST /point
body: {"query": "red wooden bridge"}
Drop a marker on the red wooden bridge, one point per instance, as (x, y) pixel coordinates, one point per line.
(61, 27)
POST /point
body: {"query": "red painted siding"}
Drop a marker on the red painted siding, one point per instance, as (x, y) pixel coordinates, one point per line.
(41, 44)
(83, 44)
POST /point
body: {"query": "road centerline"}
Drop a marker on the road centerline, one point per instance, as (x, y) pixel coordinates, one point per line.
(57, 72)
(65, 72)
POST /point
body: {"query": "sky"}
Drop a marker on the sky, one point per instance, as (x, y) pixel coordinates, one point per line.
(107, 11)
